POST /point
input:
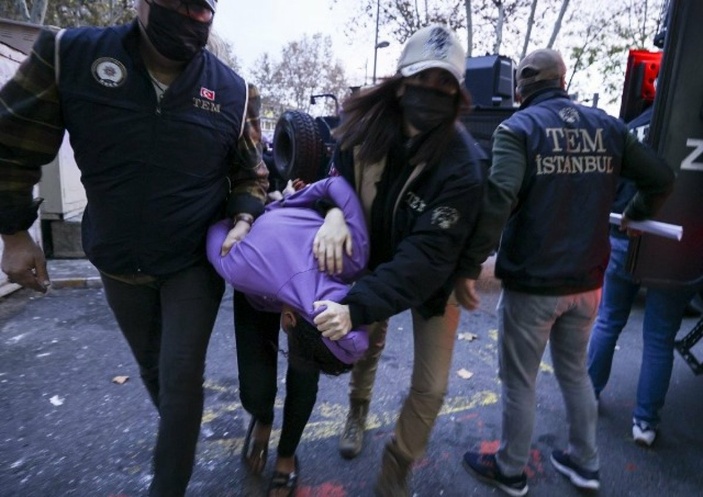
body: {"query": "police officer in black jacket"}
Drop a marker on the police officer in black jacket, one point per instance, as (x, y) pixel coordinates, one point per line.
(417, 173)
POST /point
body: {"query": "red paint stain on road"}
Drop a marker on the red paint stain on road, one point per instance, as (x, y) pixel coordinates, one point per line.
(327, 489)
(467, 417)
(630, 466)
(534, 464)
(489, 446)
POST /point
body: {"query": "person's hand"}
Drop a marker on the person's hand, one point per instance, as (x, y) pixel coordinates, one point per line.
(334, 322)
(288, 190)
(331, 241)
(292, 186)
(235, 235)
(274, 196)
(297, 184)
(24, 263)
(624, 226)
(466, 294)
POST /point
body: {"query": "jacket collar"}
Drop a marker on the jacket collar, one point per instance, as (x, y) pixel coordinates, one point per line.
(544, 94)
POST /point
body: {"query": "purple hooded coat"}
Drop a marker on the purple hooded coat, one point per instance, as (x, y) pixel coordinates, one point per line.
(274, 264)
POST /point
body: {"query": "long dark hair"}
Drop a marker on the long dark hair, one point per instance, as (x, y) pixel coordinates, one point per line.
(308, 352)
(373, 119)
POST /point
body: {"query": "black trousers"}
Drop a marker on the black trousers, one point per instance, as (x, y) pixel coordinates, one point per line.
(256, 335)
(168, 324)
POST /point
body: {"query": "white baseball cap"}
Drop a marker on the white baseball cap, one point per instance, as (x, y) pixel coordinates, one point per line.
(433, 46)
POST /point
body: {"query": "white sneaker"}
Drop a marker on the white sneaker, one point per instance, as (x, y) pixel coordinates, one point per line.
(643, 433)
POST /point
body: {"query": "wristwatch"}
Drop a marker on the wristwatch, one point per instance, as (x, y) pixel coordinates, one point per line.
(247, 218)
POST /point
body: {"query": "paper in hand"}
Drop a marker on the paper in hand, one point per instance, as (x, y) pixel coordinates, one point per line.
(654, 227)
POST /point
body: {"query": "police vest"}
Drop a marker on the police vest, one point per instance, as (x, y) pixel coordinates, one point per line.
(556, 241)
(154, 170)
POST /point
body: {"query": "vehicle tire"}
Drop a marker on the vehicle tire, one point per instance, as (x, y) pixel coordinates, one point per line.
(298, 149)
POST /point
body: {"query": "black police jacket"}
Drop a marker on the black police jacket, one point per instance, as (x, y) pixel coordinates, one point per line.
(426, 222)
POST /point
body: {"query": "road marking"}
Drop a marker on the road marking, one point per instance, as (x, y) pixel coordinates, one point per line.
(332, 417)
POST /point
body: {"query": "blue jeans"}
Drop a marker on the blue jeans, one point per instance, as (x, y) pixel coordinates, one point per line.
(663, 313)
(526, 323)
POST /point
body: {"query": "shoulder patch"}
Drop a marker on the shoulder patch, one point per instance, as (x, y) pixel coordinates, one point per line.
(569, 115)
(109, 72)
(445, 217)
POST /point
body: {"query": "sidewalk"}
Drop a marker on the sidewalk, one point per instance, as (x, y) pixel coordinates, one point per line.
(73, 273)
(64, 273)
(80, 273)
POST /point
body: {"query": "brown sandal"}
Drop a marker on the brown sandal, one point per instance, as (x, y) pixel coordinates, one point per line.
(284, 483)
(254, 452)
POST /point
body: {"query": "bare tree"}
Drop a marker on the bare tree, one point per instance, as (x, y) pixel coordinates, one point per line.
(306, 67)
(223, 49)
(530, 24)
(266, 77)
(469, 28)
(594, 36)
(21, 11)
(557, 23)
(38, 12)
(600, 54)
(401, 18)
(500, 20)
(68, 13)
(485, 22)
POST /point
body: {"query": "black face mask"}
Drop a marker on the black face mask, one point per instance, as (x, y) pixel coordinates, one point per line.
(175, 36)
(427, 108)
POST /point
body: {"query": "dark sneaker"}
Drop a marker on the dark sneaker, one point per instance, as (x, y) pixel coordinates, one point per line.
(579, 476)
(484, 467)
(352, 440)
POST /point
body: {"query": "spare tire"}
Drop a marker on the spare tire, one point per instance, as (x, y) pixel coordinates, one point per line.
(298, 149)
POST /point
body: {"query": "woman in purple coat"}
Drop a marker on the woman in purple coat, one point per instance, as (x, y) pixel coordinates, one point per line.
(275, 268)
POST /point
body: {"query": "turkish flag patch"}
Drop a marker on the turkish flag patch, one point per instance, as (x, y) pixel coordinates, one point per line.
(207, 94)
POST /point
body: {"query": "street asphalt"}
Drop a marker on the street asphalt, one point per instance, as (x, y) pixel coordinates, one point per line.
(69, 428)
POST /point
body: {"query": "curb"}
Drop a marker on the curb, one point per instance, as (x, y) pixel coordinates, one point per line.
(73, 273)
(79, 282)
(79, 273)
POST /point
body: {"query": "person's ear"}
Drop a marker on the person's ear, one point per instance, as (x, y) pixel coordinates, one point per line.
(288, 319)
